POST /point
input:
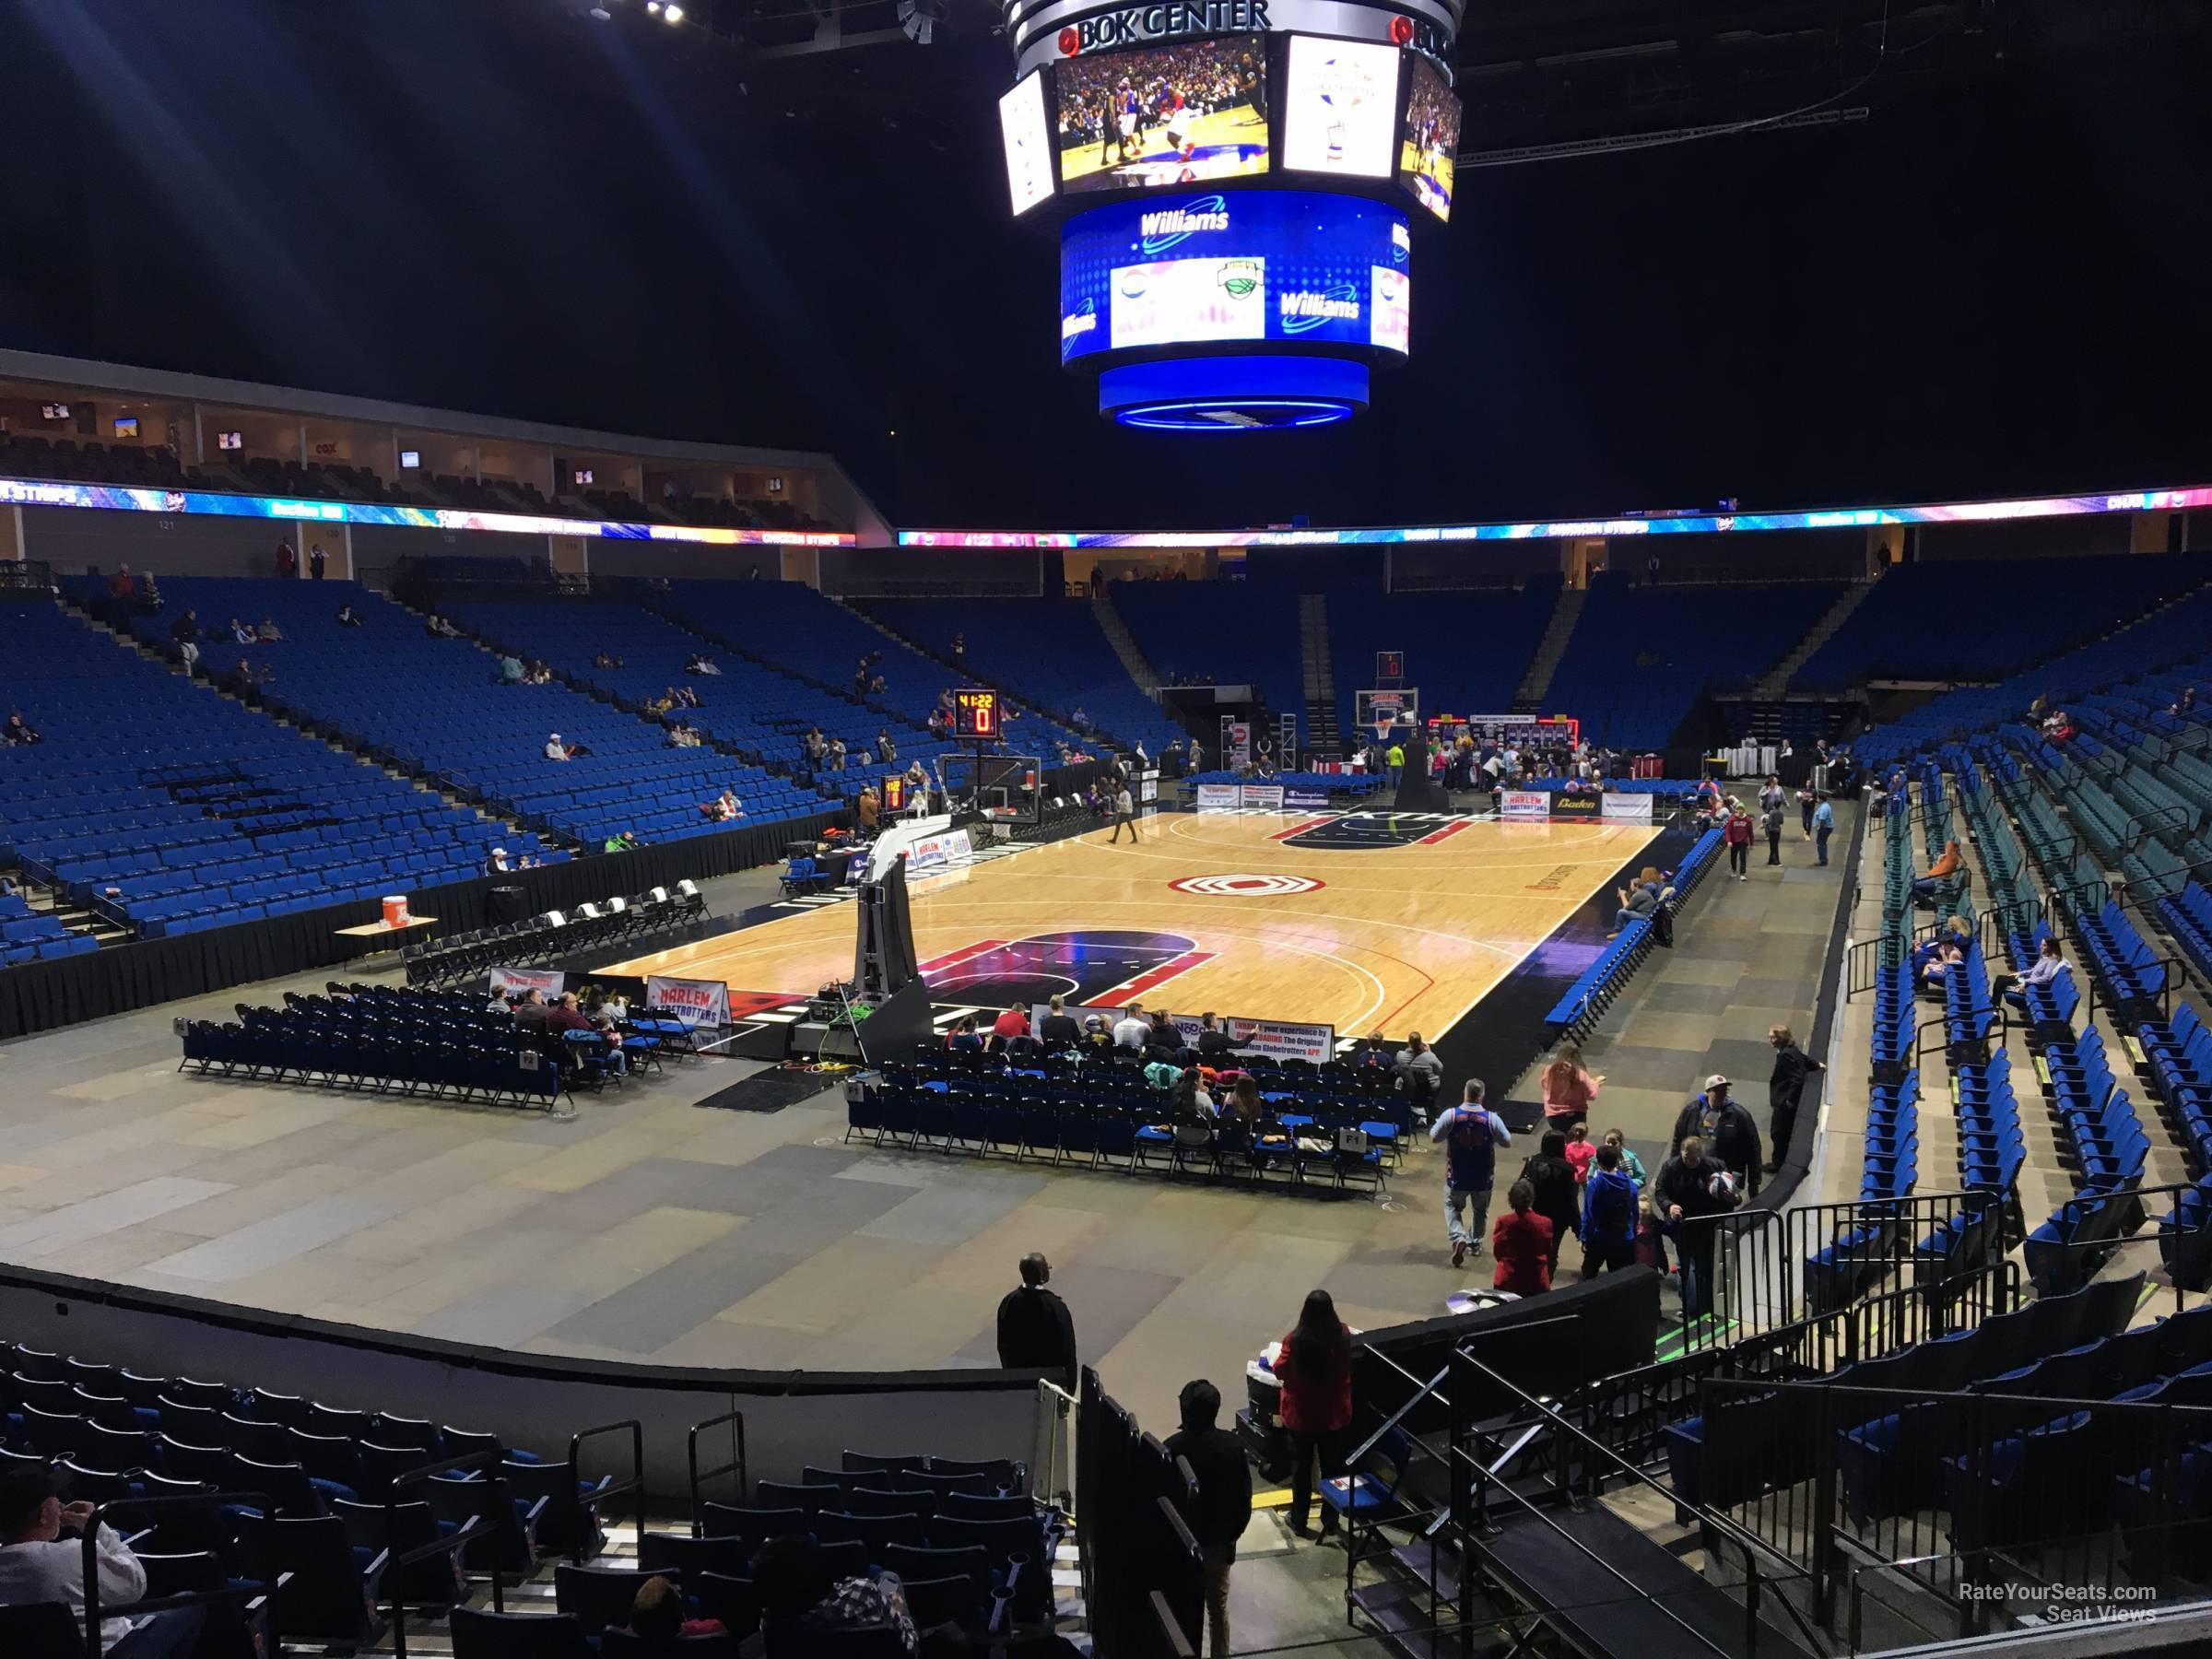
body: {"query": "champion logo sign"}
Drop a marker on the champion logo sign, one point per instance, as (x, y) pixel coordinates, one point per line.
(1246, 886)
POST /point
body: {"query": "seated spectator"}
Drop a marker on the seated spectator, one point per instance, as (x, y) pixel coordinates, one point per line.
(1947, 956)
(496, 864)
(539, 673)
(18, 730)
(556, 750)
(511, 669)
(2046, 968)
(657, 1615)
(626, 841)
(119, 585)
(564, 1016)
(801, 1596)
(886, 750)
(1945, 865)
(1080, 720)
(268, 633)
(530, 1011)
(345, 618)
(149, 595)
(37, 1564)
(701, 662)
(1641, 900)
(1523, 1244)
(962, 1039)
(1133, 1030)
(683, 736)
(1013, 1023)
(877, 687)
(240, 633)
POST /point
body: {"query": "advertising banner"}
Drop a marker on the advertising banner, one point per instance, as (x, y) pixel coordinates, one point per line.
(1147, 785)
(1219, 797)
(935, 851)
(1628, 809)
(1240, 742)
(1525, 803)
(1302, 800)
(1266, 797)
(697, 1002)
(1573, 805)
(547, 982)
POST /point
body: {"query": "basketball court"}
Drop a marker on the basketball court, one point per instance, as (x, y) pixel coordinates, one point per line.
(1397, 922)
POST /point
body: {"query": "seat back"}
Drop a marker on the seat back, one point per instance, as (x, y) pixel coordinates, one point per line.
(599, 1597)
(477, 1635)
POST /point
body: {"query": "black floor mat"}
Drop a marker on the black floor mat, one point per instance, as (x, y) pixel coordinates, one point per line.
(773, 1089)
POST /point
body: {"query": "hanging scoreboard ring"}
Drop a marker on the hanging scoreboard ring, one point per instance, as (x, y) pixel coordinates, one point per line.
(975, 714)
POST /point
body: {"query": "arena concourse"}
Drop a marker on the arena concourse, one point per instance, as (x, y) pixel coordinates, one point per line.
(626, 1045)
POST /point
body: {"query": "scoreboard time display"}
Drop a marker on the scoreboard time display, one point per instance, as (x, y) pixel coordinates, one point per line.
(975, 712)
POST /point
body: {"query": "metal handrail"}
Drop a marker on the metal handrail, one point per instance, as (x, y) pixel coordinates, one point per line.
(736, 1465)
(254, 1596)
(450, 1544)
(634, 1485)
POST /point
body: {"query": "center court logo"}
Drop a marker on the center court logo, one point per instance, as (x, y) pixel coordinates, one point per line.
(1164, 227)
(1245, 886)
(1303, 310)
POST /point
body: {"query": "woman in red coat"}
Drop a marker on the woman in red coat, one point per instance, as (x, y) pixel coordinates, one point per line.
(1315, 1366)
(1523, 1244)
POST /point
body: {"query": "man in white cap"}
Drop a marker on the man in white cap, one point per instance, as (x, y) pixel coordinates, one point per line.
(1730, 1133)
(496, 864)
(555, 749)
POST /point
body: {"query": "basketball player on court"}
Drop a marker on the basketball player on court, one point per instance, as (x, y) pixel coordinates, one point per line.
(1125, 812)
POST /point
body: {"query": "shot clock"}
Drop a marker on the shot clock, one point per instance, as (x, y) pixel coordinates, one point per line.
(975, 714)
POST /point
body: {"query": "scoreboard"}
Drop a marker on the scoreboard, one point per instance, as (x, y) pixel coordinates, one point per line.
(975, 714)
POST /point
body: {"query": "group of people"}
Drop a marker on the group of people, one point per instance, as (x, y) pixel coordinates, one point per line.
(867, 676)
(600, 1013)
(1739, 820)
(288, 561)
(514, 671)
(723, 808)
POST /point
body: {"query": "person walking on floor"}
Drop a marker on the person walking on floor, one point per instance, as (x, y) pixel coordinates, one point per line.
(1736, 833)
(1807, 797)
(1224, 1506)
(1125, 812)
(1771, 818)
(1557, 1196)
(1472, 1135)
(1729, 1134)
(1785, 1089)
(1824, 826)
(1691, 1191)
(1315, 1368)
(1035, 1329)
(1569, 1088)
(1611, 1202)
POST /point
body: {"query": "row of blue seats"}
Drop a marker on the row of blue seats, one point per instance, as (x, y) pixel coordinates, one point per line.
(2110, 1147)
(1585, 1001)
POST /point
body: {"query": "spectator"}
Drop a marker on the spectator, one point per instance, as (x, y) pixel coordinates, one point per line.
(961, 1038)
(18, 730)
(1569, 1086)
(1945, 865)
(345, 619)
(1612, 1199)
(624, 841)
(657, 1614)
(186, 628)
(1214, 1044)
(1785, 1089)
(868, 808)
(802, 1600)
(1690, 1190)
(240, 633)
(1011, 1024)
(564, 1016)
(1579, 1150)
(1729, 1135)
(959, 652)
(1125, 812)
(1619, 1141)
(886, 752)
(1058, 1029)
(1557, 1197)
(1807, 797)
(288, 560)
(1420, 1072)
(316, 560)
(837, 754)
(1771, 819)
(1224, 1506)
(39, 1564)
(1824, 826)
(1314, 1364)
(1472, 1135)
(496, 864)
(1079, 719)
(1735, 831)
(1133, 1030)
(268, 633)
(530, 1011)
(1035, 1329)
(558, 750)
(1643, 900)
(1394, 758)
(1524, 1244)
(2048, 965)
(511, 669)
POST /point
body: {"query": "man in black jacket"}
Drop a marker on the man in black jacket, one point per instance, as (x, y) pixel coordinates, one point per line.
(1058, 1030)
(1689, 1188)
(1035, 1329)
(1726, 1128)
(1786, 1090)
(1224, 1504)
(1214, 1044)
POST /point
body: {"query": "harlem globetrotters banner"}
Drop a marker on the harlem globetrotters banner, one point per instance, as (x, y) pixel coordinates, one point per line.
(695, 1002)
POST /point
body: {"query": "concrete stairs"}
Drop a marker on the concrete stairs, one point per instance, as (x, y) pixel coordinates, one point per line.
(1777, 679)
(1529, 697)
(1138, 665)
(1318, 677)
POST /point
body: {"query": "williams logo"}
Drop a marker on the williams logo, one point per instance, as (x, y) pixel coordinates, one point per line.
(1303, 310)
(1164, 227)
(1239, 277)
(1075, 325)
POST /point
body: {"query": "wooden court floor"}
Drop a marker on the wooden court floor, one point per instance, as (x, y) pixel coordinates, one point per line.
(1237, 913)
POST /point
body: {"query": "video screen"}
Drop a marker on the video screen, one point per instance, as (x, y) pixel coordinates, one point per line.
(230, 441)
(126, 425)
(1340, 108)
(1022, 124)
(1256, 265)
(1426, 160)
(1178, 114)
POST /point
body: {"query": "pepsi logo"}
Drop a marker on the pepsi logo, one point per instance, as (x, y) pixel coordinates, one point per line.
(1246, 886)
(1071, 42)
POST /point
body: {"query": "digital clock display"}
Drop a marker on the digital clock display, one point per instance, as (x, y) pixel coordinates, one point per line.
(975, 712)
